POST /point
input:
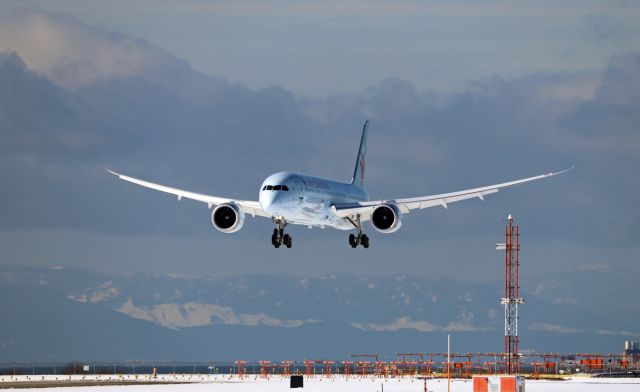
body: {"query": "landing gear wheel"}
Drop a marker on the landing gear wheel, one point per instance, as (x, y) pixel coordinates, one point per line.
(360, 239)
(279, 237)
(352, 240)
(287, 241)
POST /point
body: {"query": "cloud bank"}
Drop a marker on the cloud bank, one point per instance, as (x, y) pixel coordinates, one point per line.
(74, 98)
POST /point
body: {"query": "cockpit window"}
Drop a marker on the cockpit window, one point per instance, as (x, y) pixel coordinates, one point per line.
(275, 188)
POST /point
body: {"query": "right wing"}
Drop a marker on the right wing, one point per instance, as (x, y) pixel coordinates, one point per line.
(248, 206)
(365, 208)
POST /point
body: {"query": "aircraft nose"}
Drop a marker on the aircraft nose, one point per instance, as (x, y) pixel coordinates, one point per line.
(267, 199)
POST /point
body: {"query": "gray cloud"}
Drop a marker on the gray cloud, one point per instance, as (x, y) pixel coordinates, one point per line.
(149, 114)
(605, 27)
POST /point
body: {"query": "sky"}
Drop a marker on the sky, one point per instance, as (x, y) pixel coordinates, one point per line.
(215, 96)
(318, 48)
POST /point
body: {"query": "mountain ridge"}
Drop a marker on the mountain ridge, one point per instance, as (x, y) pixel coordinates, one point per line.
(342, 312)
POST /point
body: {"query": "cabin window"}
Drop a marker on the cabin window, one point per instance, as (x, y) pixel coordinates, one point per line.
(277, 187)
(285, 188)
(269, 187)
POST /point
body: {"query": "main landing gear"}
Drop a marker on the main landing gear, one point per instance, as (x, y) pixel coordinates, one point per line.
(279, 237)
(360, 238)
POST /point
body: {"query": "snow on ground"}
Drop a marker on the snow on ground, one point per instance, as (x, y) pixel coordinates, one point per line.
(202, 383)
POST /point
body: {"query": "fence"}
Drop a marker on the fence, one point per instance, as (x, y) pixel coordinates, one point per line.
(405, 365)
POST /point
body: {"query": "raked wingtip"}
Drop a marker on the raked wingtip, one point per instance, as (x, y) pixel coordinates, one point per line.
(560, 171)
(567, 170)
(111, 171)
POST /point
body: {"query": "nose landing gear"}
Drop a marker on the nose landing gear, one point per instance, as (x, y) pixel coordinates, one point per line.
(279, 237)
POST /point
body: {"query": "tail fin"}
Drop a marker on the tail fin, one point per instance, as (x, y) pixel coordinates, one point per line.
(358, 173)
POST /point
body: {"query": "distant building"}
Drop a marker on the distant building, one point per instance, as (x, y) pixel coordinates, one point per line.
(632, 350)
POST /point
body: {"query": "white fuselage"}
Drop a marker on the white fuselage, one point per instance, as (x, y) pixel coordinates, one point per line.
(306, 200)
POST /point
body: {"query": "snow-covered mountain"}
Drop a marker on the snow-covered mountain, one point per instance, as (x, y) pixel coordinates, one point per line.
(67, 313)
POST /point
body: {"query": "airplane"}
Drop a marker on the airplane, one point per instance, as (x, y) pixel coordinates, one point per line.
(298, 199)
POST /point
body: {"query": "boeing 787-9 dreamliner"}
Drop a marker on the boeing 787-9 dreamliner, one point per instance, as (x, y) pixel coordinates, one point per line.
(292, 198)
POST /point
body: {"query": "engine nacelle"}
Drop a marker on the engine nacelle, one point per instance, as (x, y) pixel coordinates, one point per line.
(228, 218)
(386, 218)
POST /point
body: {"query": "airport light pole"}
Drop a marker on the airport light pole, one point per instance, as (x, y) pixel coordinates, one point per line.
(448, 363)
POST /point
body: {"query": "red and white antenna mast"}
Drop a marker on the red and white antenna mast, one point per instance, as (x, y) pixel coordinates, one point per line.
(511, 298)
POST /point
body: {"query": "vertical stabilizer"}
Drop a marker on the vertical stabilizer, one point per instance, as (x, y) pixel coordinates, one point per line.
(358, 173)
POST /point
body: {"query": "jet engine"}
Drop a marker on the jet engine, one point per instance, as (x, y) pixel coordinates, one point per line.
(228, 218)
(386, 218)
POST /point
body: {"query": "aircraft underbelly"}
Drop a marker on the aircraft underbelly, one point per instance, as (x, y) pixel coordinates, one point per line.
(314, 214)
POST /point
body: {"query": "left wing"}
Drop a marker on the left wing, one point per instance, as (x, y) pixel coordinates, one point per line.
(364, 209)
(248, 206)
